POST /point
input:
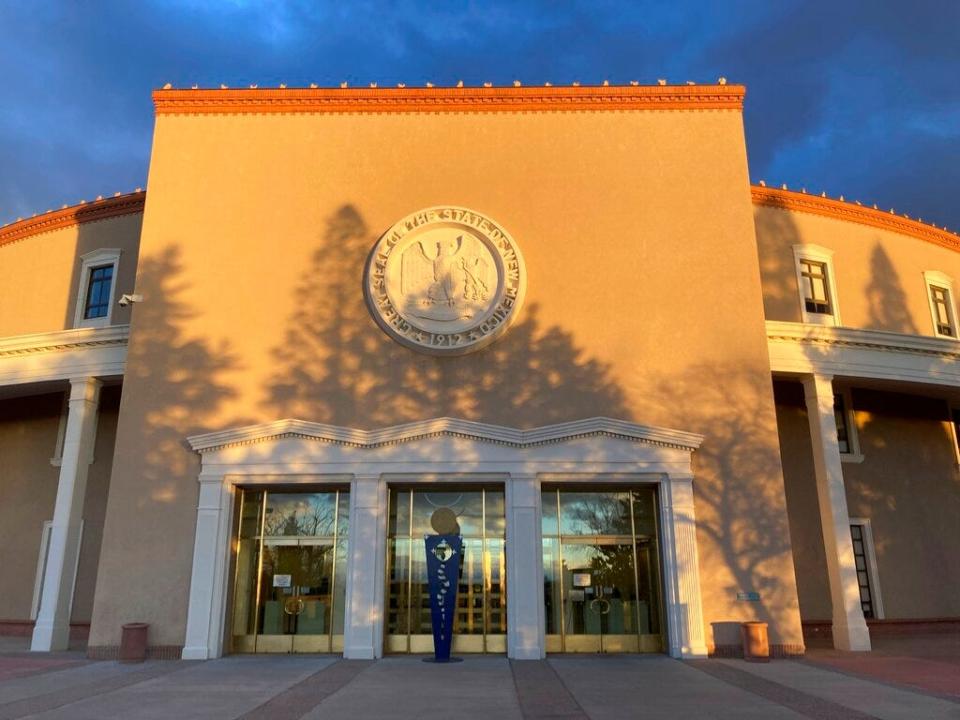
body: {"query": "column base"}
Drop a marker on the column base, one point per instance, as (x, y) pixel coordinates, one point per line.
(855, 638)
(359, 653)
(526, 654)
(49, 637)
(698, 652)
(198, 652)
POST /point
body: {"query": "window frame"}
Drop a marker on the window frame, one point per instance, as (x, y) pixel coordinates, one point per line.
(824, 256)
(873, 574)
(932, 279)
(102, 257)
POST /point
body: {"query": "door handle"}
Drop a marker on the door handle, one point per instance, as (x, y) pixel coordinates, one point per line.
(601, 606)
(293, 606)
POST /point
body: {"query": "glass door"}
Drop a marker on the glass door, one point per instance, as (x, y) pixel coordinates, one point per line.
(601, 571)
(291, 572)
(481, 621)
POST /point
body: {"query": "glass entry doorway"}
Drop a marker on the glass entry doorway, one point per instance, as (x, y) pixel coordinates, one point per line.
(290, 572)
(601, 570)
(480, 624)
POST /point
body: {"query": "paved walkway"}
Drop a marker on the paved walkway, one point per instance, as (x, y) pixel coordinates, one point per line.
(563, 688)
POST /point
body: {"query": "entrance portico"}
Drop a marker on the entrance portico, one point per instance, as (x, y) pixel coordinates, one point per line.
(444, 452)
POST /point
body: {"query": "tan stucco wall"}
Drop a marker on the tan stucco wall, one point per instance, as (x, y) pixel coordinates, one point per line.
(28, 482)
(40, 274)
(908, 485)
(879, 273)
(28, 437)
(643, 302)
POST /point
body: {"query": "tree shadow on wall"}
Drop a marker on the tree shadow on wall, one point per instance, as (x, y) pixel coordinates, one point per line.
(337, 366)
(176, 376)
(742, 525)
(172, 389)
(887, 302)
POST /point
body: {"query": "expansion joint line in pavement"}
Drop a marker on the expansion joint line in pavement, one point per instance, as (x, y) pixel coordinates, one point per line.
(804, 703)
(302, 697)
(542, 693)
(66, 696)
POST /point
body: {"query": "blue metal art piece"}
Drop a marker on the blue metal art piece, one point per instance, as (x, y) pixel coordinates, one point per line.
(443, 576)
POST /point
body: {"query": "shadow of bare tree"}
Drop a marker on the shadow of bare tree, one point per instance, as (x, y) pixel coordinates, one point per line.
(743, 533)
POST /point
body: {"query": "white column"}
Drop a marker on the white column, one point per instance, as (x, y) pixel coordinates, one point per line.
(366, 565)
(682, 569)
(208, 576)
(524, 550)
(850, 630)
(52, 629)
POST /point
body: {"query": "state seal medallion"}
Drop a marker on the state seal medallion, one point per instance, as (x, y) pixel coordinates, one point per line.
(445, 281)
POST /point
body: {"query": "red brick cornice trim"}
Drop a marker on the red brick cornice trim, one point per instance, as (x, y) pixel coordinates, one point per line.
(449, 99)
(851, 212)
(128, 204)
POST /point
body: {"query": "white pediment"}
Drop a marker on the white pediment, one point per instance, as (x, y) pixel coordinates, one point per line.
(444, 445)
(446, 427)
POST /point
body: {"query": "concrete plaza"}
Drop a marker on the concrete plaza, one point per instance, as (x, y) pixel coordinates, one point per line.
(67, 686)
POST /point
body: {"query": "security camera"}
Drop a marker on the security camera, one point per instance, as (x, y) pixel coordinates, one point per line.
(129, 299)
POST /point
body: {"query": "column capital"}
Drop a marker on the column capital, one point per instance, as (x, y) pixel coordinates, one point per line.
(817, 384)
(85, 388)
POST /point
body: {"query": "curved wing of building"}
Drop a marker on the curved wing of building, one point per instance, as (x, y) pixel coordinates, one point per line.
(658, 400)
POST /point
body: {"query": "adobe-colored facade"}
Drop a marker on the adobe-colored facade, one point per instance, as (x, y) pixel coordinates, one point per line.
(563, 313)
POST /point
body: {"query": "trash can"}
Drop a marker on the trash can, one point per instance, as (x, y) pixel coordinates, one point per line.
(133, 643)
(756, 647)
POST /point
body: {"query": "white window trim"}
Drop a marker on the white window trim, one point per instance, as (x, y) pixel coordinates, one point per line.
(872, 571)
(95, 258)
(853, 434)
(939, 279)
(820, 254)
(42, 568)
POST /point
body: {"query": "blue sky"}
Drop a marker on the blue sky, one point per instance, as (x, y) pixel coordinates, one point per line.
(855, 97)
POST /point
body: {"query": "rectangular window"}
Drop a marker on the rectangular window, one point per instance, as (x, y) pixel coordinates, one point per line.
(814, 285)
(97, 303)
(942, 317)
(843, 429)
(863, 576)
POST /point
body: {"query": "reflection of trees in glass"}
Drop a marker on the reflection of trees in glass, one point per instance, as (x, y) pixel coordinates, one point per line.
(313, 516)
(595, 514)
(612, 566)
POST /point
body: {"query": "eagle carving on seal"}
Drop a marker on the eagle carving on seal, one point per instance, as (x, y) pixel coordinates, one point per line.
(445, 279)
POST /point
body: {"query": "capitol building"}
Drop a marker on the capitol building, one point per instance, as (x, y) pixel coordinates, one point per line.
(660, 400)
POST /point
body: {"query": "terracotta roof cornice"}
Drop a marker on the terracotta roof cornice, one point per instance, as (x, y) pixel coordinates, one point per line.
(448, 99)
(85, 212)
(852, 212)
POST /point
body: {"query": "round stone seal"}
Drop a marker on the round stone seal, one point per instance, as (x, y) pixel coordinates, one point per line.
(444, 280)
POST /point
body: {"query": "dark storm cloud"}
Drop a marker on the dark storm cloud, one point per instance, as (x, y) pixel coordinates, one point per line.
(859, 98)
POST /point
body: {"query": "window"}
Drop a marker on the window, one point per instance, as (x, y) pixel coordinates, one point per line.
(816, 297)
(98, 292)
(940, 295)
(815, 281)
(865, 559)
(840, 413)
(847, 438)
(97, 288)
